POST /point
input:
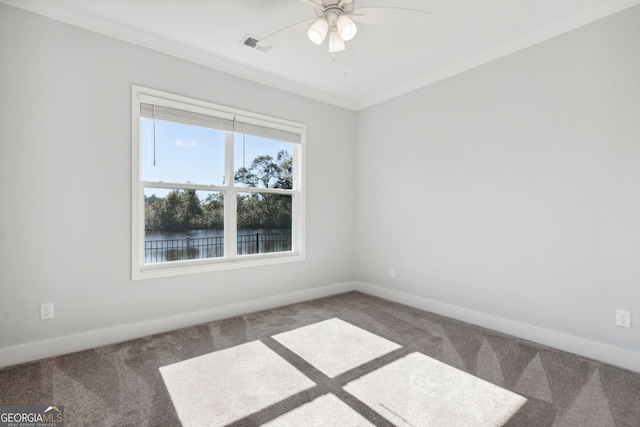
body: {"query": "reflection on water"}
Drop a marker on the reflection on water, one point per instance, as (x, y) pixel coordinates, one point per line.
(198, 244)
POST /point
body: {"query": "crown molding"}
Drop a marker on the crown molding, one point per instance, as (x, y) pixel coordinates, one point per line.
(574, 22)
(58, 12)
(121, 32)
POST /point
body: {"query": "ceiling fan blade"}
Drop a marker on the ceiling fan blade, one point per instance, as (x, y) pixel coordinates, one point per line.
(272, 38)
(383, 15)
(315, 3)
(402, 9)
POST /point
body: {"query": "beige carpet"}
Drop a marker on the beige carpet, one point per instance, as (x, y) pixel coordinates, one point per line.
(324, 411)
(222, 387)
(227, 385)
(335, 346)
(139, 383)
(418, 390)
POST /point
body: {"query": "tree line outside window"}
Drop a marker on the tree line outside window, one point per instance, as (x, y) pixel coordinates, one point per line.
(185, 210)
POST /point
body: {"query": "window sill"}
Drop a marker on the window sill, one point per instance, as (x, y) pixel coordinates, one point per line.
(181, 268)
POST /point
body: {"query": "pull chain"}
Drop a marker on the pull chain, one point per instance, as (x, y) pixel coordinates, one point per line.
(154, 135)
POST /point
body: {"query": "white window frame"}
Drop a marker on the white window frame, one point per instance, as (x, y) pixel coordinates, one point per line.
(230, 260)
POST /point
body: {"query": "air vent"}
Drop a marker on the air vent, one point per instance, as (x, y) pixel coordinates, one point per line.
(252, 42)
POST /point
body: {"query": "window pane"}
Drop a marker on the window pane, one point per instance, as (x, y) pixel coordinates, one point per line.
(182, 224)
(174, 152)
(262, 163)
(264, 223)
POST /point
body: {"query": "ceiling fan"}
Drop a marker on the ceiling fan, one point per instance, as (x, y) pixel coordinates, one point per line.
(335, 18)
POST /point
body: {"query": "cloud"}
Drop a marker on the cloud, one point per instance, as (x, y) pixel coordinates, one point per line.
(186, 144)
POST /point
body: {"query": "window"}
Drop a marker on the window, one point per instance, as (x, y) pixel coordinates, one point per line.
(213, 187)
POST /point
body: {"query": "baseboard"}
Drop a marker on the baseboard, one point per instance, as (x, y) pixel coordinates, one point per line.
(71, 343)
(617, 356)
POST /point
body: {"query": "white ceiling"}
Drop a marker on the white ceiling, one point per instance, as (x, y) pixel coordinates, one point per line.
(393, 52)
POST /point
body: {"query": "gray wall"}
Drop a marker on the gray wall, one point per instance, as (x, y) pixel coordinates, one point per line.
(65, 186)
(511, 189)
(514, 189)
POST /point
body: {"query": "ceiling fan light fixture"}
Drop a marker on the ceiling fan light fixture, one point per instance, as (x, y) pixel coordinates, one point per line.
(336, 44)
(346, 27)
(318, 31)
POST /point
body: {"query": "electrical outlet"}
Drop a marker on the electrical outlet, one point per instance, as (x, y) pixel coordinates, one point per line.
(623, 318)
(392, 272)
(46, 311)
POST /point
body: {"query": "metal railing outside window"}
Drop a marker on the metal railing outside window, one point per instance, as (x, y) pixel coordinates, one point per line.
(212, 247)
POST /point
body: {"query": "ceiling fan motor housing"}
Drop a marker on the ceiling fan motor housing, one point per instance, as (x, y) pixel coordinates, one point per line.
(332, 9)
(332, 13)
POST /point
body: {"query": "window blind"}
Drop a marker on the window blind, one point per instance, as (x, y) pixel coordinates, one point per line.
(170, 114)
(238, 124)
(266, 132)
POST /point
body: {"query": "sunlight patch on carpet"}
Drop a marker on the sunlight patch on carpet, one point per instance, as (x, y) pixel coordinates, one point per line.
(334, 346)
(419, 390)
(326, 410)
(227, 385)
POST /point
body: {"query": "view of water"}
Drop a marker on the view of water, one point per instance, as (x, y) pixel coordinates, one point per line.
(171, 235)
(194, 244)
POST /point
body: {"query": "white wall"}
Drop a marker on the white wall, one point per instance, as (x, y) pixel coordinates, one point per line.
(514, 189)
(510, 190)
(65, 166)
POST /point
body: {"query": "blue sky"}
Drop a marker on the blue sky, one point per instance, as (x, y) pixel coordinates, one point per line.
(194, 154)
